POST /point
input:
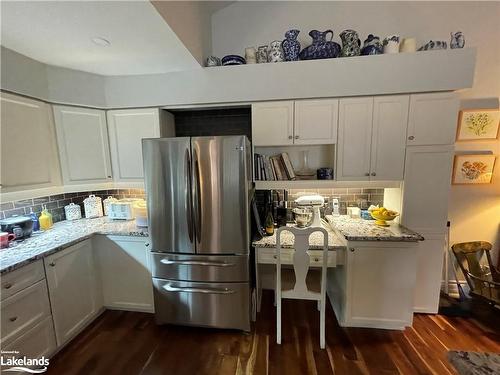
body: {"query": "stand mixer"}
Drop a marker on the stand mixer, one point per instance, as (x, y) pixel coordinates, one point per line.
(314, 201)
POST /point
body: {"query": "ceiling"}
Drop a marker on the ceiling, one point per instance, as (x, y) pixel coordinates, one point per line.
(59, 33)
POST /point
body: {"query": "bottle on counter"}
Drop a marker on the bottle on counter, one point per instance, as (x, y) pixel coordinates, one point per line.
(34, 219)
(269, 224)
(45, 219)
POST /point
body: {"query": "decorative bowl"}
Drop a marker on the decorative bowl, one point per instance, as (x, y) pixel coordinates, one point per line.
(233, 60)
(383, 215)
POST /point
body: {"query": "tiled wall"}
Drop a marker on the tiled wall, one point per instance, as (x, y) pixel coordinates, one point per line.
(55, 203)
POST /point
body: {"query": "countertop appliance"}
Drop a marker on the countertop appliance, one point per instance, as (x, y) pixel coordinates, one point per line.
(20, 226)
(122, 209)
(198, 192)
(314, 201)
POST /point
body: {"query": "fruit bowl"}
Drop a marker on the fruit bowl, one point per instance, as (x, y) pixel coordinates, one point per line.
(383, 215)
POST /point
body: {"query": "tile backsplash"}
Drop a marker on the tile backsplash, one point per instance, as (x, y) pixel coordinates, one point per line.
(55, 203)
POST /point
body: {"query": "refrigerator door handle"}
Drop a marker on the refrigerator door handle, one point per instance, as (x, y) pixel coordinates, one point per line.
(173, 288)
(197, 194)
(195, 263)
(189, 201)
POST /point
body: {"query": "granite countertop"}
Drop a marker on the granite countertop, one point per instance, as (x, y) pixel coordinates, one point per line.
(315, 240)
(367, 230)
(62, 235)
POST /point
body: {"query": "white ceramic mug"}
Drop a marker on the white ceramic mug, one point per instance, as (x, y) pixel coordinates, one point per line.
(391, 44)
(408, 45)
(250, 55)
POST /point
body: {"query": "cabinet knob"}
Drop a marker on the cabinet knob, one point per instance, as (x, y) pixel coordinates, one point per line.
(296, 137)
(367, 174)
(109, 176)
(352, 249)
(52, 264)
(316, 259)
(290, 137)
(13, 319)
(374, 174)
(411, 137)
(146, 244)
(275, 257)
(7, 286)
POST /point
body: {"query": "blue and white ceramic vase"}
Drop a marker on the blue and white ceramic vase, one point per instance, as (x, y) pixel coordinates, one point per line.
(275, 52)
(351, 45)
(372, 46)
(433, 45)
(457, 40)
(291, 46)
(320, 47)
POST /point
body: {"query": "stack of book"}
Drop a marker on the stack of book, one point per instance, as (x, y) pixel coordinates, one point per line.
(273, 168)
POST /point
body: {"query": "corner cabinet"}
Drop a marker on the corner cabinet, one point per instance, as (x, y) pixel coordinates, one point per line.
(372, 138)
(28, 147)
(74, 289)
(82, 137)
(127, 128)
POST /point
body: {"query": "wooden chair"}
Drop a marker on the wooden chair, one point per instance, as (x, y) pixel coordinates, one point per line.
(301, 282)
(483, 280)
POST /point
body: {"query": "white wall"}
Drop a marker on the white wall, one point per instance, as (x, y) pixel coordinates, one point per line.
(474, 210)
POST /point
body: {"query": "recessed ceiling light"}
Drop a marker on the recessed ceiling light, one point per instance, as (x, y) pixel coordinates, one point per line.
(100, 41)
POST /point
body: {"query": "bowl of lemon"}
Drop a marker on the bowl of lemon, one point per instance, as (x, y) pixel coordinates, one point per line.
(382, 215)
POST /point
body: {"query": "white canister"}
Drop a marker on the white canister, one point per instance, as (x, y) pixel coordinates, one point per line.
(251, 55)
(92, 206)
(408, 45)
(73, 211)
(106, 202)
(391, 44)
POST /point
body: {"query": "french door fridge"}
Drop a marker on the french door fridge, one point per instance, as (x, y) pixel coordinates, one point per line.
(198, 193)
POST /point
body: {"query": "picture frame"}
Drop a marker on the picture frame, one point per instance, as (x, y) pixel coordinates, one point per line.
(471, 169)
(478, 125)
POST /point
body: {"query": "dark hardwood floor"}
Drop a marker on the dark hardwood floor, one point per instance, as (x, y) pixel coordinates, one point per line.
(130, 343)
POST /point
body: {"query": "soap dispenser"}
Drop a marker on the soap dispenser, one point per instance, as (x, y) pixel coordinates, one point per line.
(45, 219)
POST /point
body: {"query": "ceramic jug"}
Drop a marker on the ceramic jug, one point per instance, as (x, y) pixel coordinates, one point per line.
(457, 40)
(372, 46)
(350, 43)
(320, 47)
(275, 51)
(291, 46)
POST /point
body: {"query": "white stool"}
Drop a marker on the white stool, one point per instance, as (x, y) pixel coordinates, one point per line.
(301, 282)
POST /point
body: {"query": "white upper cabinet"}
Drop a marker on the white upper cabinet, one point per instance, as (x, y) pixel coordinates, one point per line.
(127, 128)
(82, 137)
(28, 147)
(316, 121)
(355, 119)
(73, 288)
(390, 117)
(432, 119)
(272, 123)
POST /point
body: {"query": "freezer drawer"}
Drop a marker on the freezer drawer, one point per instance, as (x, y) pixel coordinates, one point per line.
(219, 305)
(208, 268)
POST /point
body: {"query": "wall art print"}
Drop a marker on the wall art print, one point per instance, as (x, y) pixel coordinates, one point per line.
(478, 124)
(473, 169)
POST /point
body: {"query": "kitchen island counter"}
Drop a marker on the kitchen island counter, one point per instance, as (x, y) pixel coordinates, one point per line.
(62, 235)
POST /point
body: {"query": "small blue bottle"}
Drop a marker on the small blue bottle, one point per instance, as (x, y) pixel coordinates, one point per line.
(34, 219)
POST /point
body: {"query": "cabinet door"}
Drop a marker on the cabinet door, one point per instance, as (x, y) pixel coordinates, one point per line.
(316, 121)
(432, 119)
(28, 144)
(73, 289)
(426, 188)
(82, 137)
(390, 119)
(355, 130)
(272, 123)
(125, 273)
(127, 128)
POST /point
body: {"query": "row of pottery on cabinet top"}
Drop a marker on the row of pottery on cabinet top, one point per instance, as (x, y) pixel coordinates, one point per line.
(290, 50)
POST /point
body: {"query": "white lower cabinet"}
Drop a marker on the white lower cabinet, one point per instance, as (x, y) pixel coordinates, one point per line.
(74, 289)
(125, 272)
(374, 287)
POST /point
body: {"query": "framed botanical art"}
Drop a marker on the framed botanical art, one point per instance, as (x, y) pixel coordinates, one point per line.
(473, 169)
(478, 124)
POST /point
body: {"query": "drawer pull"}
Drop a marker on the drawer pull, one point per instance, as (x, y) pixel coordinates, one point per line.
(195, 263)
(52, 264)
(7, 286)
(170, 288)
(316, 259)
(275, 257)
(13, 319)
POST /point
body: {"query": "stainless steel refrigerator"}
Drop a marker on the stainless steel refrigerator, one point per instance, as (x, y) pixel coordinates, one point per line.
(198, 193)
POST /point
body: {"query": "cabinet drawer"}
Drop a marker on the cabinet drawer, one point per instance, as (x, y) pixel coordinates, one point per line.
(22, 278)
(38, 341)
(268, 256)
(23, 310)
